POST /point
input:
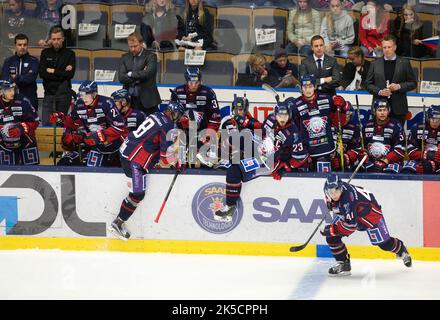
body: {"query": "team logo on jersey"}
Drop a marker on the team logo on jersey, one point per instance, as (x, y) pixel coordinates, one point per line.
(378, 150)
(316, 126)
(207, 200)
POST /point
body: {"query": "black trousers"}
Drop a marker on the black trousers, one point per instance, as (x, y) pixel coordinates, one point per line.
(137, 104)
(61, 103)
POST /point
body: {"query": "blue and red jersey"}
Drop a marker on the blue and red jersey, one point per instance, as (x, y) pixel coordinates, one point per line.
(146, 145)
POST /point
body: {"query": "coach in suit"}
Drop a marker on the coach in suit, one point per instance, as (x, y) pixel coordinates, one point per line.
(392, 77)
(325, 68)
(137, 73)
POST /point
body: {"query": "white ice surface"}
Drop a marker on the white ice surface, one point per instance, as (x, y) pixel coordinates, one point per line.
(54, 274)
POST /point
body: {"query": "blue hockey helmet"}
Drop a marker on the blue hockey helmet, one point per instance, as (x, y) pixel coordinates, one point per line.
(332, 184)
(88, 87)
(5, 85)
(307, 79)
(121, 94)
(193, 74)
(176, 109)
(433, 112)
(283, 108)
(240, 103)
(381, 103)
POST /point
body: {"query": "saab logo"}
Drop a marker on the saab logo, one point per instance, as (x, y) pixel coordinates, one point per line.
(9, 207)
(207, 200)
(270, 211)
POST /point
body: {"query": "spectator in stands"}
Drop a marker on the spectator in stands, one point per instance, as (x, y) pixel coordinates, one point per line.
(304, 22)
(355, 71)
(324, 67)
(373, 27)
(257, 73)
(286, 72)
(337, 30)
(159, 25)
(57, 68)
(137, 73)
(408, 30)
(22, 69)
(196, 27)
(16, 20)
(392, 77)
(49, 13)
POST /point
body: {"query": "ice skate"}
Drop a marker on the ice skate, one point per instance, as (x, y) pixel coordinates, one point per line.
(118, 229)
(225, 213)
(405, 256)
(341, 268)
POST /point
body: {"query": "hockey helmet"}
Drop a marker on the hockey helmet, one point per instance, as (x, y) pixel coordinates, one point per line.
(240, 103)
(283, 108)
(176, 109)
(307, 79)
(433, 112)
(332, 184)
(6, 85)
(121, 94)
(88, 87)
(193, 74)
(380, 103)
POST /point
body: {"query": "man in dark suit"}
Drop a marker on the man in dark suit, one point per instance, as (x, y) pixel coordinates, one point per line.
(325, 68)
(137, 72)
(392, 77)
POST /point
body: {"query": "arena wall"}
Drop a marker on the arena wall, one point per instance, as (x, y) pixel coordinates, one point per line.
(71, 209)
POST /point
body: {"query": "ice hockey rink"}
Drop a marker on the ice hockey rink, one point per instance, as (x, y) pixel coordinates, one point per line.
(56, 274)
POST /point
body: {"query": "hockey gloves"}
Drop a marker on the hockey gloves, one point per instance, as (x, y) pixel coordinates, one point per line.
(336, 162)
(328, 231)
(94, 138)
(432, 156)
(425, 167)
(17, 130)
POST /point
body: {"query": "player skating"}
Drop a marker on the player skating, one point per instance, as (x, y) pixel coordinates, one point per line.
(356, 209)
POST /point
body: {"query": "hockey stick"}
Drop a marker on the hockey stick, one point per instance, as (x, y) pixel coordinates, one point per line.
(361, 128)
(299, 248)
(424, 127)
(341, 146)
(166, 197)
(268, 88)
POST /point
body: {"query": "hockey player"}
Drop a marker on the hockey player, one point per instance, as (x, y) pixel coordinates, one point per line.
(311, 112)
(282, 141)
(350, 135)
(384, 140)
(132, 117)
(428, 160)
(239, 119)
(200, 103)
(103, 124)
(356, 208)
(18, 121)
(140, 152)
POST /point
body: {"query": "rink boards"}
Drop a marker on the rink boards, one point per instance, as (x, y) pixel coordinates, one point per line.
(71, 210)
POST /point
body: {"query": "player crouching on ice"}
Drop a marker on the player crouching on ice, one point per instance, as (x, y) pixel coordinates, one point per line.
(356, 208)
(143, 149)
(282, 143)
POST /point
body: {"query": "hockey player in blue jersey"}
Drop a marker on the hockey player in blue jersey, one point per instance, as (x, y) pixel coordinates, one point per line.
(144, 149)
(311, 112)
(132, 117)
(201, 107)
(18, 122)
(384, 140)
(281, 142)
(102, 124)
(423, 144)
(356, 208)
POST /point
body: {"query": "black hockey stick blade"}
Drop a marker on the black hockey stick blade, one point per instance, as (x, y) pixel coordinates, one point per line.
(268, 88)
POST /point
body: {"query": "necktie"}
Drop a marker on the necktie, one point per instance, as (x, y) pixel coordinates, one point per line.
(319, 65)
